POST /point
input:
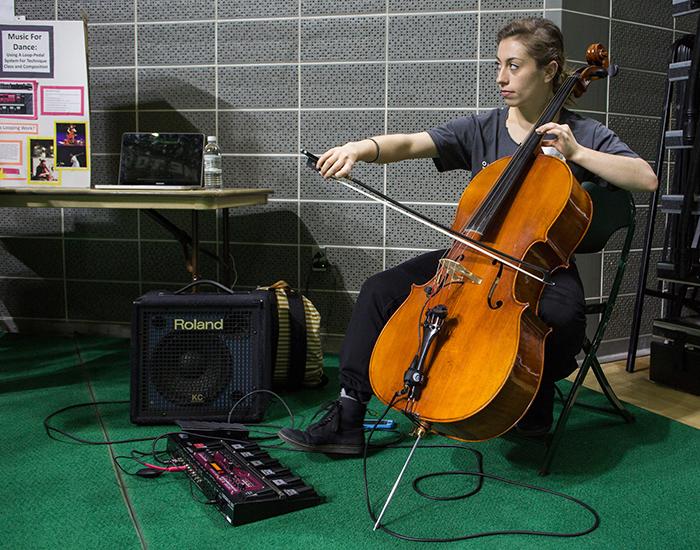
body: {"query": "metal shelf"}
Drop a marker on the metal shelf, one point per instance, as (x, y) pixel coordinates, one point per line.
(685, 7)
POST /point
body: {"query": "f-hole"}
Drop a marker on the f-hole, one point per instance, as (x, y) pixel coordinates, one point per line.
(499, 303)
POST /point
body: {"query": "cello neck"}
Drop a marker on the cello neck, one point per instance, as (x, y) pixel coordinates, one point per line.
(531, 143)
(519, 163)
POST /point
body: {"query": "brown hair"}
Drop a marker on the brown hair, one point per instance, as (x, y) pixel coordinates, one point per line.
(543, 41)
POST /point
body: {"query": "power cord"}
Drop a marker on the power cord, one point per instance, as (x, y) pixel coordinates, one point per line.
(234, 270)
(155, 469)
(289, 411)
(52, 430)
(160, 465)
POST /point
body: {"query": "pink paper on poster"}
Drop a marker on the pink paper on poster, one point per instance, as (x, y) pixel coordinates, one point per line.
(11, 174)
(19, 128)
(63, 100)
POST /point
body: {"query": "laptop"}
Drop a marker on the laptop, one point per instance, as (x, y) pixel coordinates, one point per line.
(151, 160)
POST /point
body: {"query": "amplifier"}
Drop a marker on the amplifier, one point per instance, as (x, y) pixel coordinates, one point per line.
(194, 356)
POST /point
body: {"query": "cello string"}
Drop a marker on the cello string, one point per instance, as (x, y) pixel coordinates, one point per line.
(523, 156)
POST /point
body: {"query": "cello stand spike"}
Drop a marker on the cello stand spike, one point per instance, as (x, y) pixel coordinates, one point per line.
(420, 432)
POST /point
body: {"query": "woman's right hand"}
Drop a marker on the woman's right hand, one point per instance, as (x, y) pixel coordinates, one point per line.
(338, 162)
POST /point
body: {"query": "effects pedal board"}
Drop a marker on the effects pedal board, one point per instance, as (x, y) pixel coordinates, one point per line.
(244, 482)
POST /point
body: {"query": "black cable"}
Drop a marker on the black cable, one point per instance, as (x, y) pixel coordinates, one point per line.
(116, 459)
(307, 279)
(50, 429)
(284, 403)
(119, 465)
(479, 484)
(481, 475)
(194, 497)
(141, 453)
(134, 459)
(234, 271)
(396, 398)
(155, 441)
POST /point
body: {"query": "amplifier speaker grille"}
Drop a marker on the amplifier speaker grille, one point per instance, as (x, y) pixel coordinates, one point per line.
(197, 361)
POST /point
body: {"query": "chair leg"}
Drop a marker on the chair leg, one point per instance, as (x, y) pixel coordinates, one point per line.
(553, 443)
(590, 362)
(608, 391)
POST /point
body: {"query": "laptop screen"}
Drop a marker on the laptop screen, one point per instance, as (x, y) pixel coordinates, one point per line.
(161, 160)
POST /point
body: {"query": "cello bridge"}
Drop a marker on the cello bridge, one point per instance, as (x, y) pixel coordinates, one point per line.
(457, 273)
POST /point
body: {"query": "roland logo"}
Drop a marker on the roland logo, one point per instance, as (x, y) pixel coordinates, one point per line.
(196, 324)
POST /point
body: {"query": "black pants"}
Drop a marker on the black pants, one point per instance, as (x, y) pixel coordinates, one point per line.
(561, 307)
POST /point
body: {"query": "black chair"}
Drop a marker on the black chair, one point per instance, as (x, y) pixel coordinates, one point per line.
(613, 210)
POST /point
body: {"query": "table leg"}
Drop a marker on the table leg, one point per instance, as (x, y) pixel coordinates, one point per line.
(195, 245)
(227, 274)
(189, 243)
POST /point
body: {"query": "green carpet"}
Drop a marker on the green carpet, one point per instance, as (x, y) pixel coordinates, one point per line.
(642, 478)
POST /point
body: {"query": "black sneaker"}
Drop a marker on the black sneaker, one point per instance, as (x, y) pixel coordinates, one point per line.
(340, 431)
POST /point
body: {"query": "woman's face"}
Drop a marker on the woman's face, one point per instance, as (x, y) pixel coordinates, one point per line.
(520, 81)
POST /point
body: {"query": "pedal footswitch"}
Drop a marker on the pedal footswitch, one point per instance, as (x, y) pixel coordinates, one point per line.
(245, 483)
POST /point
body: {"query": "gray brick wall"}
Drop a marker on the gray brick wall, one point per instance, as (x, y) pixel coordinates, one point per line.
(313, 74)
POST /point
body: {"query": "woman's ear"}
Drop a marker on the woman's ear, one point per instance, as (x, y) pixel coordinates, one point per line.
(550, 71)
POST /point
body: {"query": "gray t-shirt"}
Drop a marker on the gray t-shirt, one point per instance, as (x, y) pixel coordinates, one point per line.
(472, 142)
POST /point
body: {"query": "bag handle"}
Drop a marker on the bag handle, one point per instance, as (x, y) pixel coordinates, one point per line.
(284, 285)
(204, 282)
(297, 333)
(297, 345)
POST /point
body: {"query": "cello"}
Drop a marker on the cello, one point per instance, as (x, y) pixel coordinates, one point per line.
(463, 355)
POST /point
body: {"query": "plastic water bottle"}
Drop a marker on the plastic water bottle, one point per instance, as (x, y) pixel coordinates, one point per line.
(212, 164)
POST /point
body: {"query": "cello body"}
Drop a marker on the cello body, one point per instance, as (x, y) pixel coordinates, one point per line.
(485, 366)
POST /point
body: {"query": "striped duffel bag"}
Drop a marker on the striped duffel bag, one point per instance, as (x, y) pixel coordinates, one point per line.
(296, 339)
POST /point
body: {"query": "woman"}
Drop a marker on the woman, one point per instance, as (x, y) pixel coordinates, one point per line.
(71, 132)
(42, 171)
(530, 62)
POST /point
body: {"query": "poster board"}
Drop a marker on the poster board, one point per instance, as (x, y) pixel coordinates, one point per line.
(44, 114)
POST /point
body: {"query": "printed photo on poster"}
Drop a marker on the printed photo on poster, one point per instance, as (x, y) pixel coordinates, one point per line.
(18, 99)
(42, 164)
(71, 148)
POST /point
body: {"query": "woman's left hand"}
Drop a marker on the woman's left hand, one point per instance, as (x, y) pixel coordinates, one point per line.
(563, 141)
